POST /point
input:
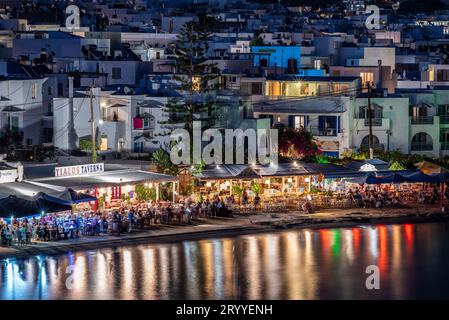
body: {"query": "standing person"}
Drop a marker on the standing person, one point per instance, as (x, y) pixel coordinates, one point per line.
(130, 219)
(23, 234)
(119, 223)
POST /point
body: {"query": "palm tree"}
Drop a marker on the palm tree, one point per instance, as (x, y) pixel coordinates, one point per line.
(161, 159)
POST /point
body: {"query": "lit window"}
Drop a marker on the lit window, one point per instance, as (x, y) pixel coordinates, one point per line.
(33, 91)
(196, 83)
(367, 77)
(104, 144)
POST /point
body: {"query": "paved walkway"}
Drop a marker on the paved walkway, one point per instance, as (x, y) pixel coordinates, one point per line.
(206, 228)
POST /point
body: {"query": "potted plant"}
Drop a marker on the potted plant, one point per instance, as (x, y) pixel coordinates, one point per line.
(238, 191)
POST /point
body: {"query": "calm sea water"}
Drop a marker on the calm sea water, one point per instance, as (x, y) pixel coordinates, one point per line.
(413, 261)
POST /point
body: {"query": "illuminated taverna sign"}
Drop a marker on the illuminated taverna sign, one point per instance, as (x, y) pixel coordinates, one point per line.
(81, 170)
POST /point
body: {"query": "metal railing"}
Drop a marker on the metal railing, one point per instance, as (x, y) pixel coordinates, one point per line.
(422, 120)
(444, 119)
(421, 146)
(326, 132)
(376, 122)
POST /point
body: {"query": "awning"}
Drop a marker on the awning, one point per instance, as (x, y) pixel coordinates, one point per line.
(108, 178)
(224, 171)
(300, 168)
(30, 189)
(12, 109)
(19, 207)
(422, 177)
(429, 167)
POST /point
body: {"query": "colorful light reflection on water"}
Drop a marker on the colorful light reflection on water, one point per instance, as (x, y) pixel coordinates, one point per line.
(413, 260)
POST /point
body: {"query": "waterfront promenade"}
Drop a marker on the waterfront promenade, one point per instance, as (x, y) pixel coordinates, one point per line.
(234, 226)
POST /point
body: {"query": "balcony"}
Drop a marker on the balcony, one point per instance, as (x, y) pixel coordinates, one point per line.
(376, 122)
(327, 132)
(422, 120)
(421, 146)
(444, 119)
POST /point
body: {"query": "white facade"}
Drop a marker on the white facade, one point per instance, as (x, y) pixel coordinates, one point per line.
(124, 123)
(21, 105)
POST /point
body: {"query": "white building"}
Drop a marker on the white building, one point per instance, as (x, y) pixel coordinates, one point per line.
(21, 108)
(123, 122)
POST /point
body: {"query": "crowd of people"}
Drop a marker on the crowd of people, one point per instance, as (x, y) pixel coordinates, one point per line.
(114, 222)
(378, 198)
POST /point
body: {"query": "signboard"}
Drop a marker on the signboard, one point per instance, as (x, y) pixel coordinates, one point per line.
(8, 175)
(81, 170)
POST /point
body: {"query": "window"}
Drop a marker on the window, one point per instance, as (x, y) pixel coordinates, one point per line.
(299, 122)
(49, 109)
(50, 91)
(367, 77)
(29, 142)
(443, 110)
(196, 83)
(60, 89)
(233, 79)
(263, 62)
(116, 73)
(33, 91)
(442, 75)
(104, 144)
(158, 55)
(13, 123)
(256, 88)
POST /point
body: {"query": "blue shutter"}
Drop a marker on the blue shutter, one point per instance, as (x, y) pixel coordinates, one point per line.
(291, 121)
(338, 124)
(321, 123)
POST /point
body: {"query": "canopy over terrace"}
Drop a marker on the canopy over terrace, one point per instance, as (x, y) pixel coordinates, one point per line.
(110, 183)
(298, 168)
(12, 206)
(108, 178)
(285, 177)
(29, 189)
(225, 171)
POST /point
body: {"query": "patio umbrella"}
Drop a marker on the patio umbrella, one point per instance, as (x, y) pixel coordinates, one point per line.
(422, 177)
(20, 207)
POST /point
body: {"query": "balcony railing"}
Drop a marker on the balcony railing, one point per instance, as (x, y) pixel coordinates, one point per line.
(111, 118)
(444, 119)
(444, 145)
(421, 146)
(422, 120)
(376, 122)
(326, 132)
